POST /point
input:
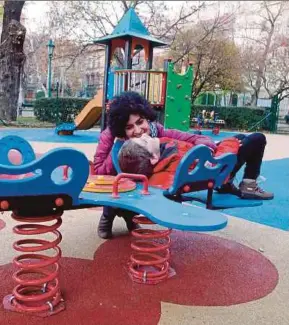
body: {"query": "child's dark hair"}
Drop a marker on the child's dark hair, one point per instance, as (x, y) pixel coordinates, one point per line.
(123, 106)
(135, 159)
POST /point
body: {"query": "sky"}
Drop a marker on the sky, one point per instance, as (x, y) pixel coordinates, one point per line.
(35, 11)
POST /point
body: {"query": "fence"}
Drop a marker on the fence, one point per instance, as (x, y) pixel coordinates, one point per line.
(151, 84)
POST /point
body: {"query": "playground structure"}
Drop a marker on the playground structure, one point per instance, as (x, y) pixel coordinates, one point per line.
(42, 180)
(168, 92)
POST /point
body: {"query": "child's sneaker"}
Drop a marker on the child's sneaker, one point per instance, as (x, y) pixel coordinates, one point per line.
(250, 190)
(229, 188)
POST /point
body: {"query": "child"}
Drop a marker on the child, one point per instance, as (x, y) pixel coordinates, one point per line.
(158, 158)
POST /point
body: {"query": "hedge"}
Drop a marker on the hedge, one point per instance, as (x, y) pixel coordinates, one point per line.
(57, 110)
(240, 118)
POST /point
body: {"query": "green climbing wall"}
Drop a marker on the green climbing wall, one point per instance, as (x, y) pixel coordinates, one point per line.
(178, 99)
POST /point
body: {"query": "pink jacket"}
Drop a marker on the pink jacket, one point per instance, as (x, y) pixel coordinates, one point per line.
(102, 159)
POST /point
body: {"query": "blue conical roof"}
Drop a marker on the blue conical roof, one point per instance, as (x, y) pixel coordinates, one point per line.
(130, 25)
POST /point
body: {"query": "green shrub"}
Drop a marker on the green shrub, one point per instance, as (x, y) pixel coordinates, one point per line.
(58, 110)
(40, 94)
(241, 118)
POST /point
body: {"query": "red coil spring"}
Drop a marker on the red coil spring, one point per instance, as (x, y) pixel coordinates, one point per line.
(149, 262)
(38, 285)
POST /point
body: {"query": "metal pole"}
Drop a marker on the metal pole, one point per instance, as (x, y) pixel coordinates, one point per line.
(57, 108)
(49, 76)
(105, 85)
(50, 47)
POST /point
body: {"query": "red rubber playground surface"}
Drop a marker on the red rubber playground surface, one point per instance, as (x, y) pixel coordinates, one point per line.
(210, 271)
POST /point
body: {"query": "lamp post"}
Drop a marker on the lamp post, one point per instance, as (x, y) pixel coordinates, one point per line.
(50, 46)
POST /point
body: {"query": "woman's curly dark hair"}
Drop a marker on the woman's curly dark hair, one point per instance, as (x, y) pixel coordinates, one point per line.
(122, 106)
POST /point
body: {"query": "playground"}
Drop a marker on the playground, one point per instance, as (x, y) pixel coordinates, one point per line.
(199, 257)
(237, 275)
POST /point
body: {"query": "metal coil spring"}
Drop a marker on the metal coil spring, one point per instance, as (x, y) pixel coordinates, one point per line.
(149, 262)
(38, 285)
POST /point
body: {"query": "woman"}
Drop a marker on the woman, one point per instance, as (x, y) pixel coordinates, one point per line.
(130, 115)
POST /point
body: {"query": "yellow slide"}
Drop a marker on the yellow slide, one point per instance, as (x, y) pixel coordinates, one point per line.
(90, 114)
(86, 119)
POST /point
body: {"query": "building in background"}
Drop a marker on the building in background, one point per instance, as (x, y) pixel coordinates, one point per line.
(77, 70)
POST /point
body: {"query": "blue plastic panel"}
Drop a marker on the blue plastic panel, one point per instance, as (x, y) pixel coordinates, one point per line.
(115, 150)
(13, 142)
(43, 182)
(160, 209)
(110, 84)
(202, 154)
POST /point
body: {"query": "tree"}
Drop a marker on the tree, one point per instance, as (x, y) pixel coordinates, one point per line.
(215, 57)
(276, 73)
(88, 20)
(260, 48)
(11, 59)
(74, 72)
(85, 21)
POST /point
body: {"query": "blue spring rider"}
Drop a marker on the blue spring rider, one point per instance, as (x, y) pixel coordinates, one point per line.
(37, 191)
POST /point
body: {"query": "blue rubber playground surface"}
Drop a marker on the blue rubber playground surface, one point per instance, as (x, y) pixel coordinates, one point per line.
(274, 213)
(48, 135)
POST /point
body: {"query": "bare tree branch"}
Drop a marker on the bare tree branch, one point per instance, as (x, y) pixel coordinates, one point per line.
(125, 6)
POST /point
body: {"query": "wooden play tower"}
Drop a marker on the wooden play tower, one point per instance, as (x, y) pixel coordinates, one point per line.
(168, 92)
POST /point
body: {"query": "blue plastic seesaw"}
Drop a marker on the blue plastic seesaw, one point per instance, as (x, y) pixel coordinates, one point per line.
(37, 192)
(44, 182)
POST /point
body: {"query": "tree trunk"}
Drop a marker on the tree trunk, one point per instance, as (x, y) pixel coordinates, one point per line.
(11, 59)
(262, 65)
(255, 95)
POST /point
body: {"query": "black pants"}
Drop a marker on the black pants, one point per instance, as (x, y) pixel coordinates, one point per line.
(111, 213)
(250, 153)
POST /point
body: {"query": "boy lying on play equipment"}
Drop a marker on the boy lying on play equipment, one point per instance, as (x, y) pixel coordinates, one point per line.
(158, 158)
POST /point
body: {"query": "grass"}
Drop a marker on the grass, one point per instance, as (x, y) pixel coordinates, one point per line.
(29, 122)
